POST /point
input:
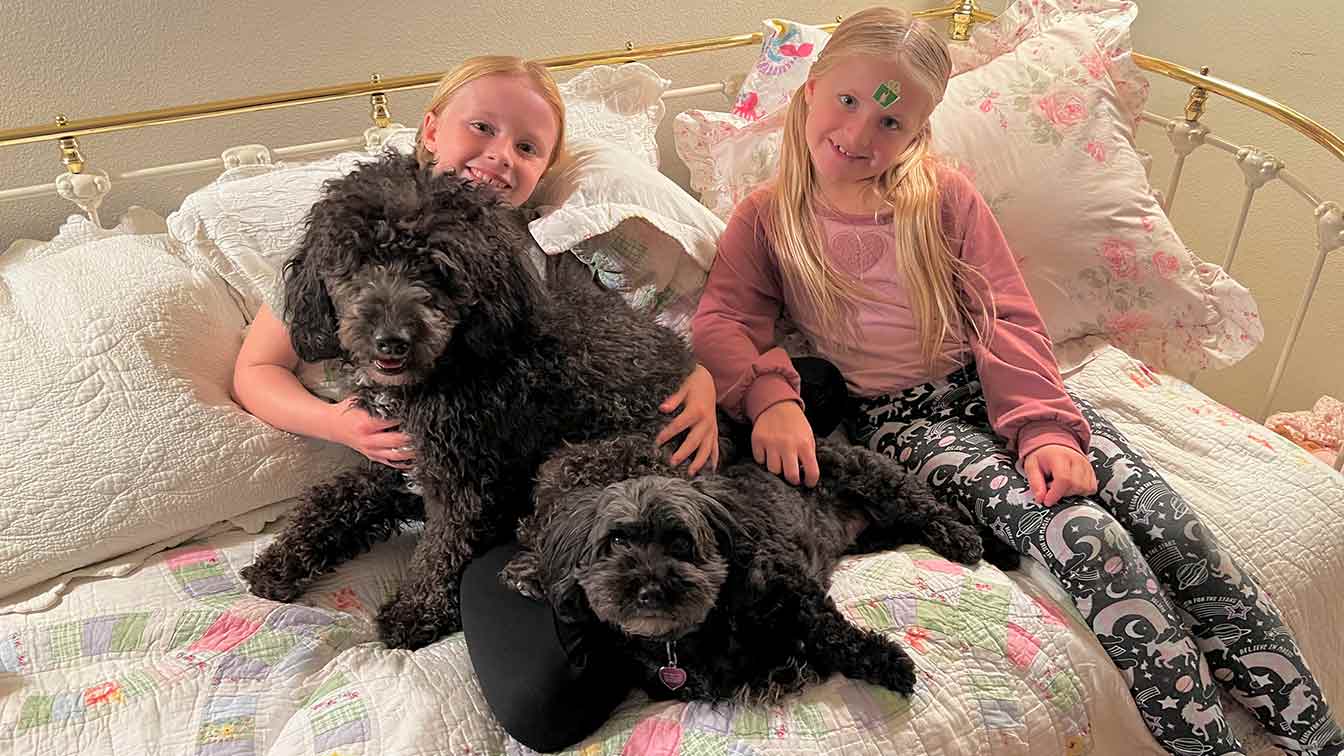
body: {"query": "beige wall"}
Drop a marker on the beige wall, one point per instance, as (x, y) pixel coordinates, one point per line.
(141, 54)
(1291, 51)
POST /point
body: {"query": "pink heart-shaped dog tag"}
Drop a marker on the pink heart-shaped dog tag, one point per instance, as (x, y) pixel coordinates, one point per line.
(672, 677)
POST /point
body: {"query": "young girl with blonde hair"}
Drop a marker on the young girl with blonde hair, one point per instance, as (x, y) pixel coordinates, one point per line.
(500, 121)
(894, 268)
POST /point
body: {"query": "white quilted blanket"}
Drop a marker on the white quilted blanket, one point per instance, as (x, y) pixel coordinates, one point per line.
(177, 659)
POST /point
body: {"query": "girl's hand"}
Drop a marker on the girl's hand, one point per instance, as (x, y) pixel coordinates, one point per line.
(1055, 471)
(782, 441)
(375, 438)
(696, 397)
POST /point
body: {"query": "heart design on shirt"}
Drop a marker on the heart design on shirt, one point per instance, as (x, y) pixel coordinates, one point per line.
(856, 253)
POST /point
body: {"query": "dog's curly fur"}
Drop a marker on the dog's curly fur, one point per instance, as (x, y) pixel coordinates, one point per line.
(732, 567)
(421, 284)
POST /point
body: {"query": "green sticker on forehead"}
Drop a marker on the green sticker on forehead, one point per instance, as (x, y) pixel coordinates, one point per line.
(887, 93)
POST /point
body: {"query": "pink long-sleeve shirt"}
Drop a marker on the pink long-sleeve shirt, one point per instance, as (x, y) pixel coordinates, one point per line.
(734, 326)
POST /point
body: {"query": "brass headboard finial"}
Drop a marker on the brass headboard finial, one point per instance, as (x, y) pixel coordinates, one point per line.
(70, 157)
(1194, 105)
(959, 27)
(382, 117)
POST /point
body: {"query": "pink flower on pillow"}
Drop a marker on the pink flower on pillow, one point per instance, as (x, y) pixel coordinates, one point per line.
(1063, 109)
(1127, 323)
(1096, 150)
(1120, 257)
(796, 51)
(746, 106)
(1166, 264)
(1094, 63)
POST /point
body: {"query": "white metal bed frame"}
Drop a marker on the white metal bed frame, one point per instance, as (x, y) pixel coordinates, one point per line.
(87, 187)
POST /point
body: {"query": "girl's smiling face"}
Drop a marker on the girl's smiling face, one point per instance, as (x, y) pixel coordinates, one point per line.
(497, 131)
(854, 130)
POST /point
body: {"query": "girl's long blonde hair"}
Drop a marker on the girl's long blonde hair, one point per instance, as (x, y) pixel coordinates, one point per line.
(909, 188)
(472, 69)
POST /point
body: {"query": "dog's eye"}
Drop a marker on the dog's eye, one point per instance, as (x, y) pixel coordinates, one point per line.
(679, 547)
(617, 540)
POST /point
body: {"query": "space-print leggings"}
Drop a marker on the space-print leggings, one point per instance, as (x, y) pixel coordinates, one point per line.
(1147, 577)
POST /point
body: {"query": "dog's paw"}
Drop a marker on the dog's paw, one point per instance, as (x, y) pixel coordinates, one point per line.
(269, 583)
(405, 625)
(954, 540)
(520, 576)
(895, 672)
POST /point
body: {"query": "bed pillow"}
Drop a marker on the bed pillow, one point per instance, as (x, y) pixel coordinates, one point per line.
(1043, 126)
(788, 50)
(117, 430)
(247, 223)
(640, 232)
(620, 104)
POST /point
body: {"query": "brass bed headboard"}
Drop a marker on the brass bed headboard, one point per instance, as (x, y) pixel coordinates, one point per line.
(1185, 132)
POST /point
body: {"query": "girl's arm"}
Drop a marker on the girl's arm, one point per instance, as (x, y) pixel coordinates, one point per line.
(733, 335)
(1024, 392)
(265, 384)
(733, 331)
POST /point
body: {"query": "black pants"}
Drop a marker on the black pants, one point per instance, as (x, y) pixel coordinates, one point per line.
(545, 680)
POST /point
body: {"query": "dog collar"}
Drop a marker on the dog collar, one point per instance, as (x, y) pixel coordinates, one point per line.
(672, 676)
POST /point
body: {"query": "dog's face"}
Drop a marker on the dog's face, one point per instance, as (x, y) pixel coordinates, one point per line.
(395, 316)
(401, 270)
(656, 553)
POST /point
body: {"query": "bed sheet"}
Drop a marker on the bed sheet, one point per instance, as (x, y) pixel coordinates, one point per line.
(176, 658)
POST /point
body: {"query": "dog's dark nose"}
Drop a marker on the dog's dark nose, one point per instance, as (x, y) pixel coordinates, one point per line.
(390, 345)
(649, 595)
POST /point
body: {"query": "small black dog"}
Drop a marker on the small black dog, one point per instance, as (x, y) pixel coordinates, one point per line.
(718, 584)
(421, 284)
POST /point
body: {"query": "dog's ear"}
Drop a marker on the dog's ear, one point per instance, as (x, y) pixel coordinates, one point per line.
(505, 309)
(714, 490)
(565, 545)
(308, 309)
(489, 257)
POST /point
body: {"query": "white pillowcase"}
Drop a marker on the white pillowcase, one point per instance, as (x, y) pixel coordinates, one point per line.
(117, 430)
(245, 225)
(249, 221)
(621, 104)
(641, 232)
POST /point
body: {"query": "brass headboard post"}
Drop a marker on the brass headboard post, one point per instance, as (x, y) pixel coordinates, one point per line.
(959, 25)
(382, 117)
(1185, 137)
(70, 157)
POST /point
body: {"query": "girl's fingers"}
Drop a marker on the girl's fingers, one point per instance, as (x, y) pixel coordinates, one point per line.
(672, 402)
(701, 457)
(1035, 478)
(674, 426)
(790, 462)
(811, 472)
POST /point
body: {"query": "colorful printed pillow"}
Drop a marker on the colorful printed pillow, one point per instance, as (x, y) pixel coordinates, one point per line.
(1043, 129)
(787, 52)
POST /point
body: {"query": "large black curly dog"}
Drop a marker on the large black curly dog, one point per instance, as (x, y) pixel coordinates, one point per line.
(717, 586)
(422, 285)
